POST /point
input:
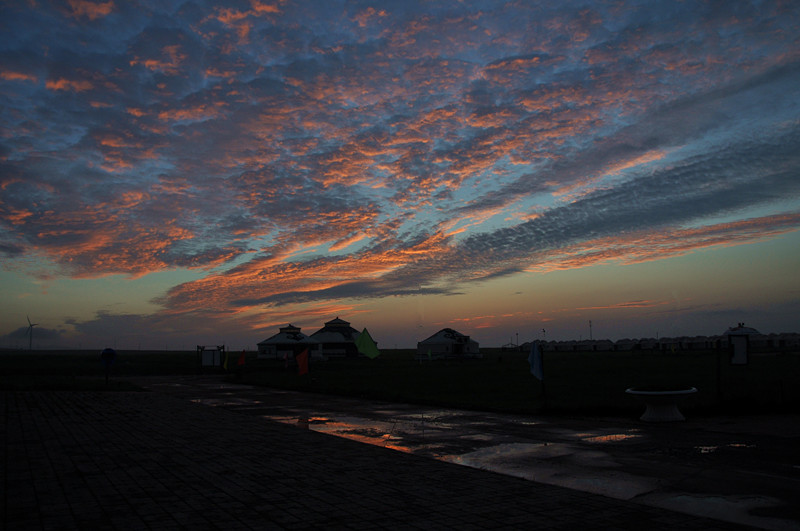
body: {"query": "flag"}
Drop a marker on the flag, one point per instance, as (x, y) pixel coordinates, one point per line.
(535, 360)
(225, 363)
(302, 362)
(430, 356)
(241, 359)
(366, 345)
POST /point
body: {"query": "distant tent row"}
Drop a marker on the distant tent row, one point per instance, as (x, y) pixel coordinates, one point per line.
(732, 337)
(337, 339)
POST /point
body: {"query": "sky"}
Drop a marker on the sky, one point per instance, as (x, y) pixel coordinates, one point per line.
(182, 173)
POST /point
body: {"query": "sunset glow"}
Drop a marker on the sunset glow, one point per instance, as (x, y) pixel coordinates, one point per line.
(182, 173)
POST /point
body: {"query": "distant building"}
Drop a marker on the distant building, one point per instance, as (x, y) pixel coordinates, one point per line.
(448, 343)
(739, 340)
(288, 342)
(335, 339)
(594, 345)
(734, 338)
(741, 330)
(627, 344)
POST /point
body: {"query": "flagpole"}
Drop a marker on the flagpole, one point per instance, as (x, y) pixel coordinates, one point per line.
(544, 391)
(536, 360)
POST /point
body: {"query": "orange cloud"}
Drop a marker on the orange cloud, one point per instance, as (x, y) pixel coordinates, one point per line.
(70, 85)
(365, 17)
(346, 242)
(197, 113)
(169, 63)
(18, 76)
(645, 158)
(586, 185)
(230, 16)
(16, 216)
(307, 316)
(98, 251)
(121, 151)
(627, 305)
(238, 21)
(91, 10)
(136, 112)
(261, 7)
(476, 322)
(262, 279)
(462, 224)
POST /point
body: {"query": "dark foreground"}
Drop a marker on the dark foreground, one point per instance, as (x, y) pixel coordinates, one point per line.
(152, 460)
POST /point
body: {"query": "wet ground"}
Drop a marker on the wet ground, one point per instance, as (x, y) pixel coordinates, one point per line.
(744, 470)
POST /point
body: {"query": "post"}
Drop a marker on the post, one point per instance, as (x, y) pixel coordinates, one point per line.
(544, 390)
(107, 358)
(719, 355)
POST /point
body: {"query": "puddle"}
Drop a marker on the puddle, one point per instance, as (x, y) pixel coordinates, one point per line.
(728, 508)
(565, 464)
(706, 449)
(582, 455)
(559, 464)
(615, 437)
(228, 401)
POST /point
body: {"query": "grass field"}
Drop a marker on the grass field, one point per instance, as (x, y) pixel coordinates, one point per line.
(589, 382)
(83, 370)
(586, 382)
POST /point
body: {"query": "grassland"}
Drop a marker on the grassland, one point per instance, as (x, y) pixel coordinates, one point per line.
(83, 370)
(585, 382)
(589, 382)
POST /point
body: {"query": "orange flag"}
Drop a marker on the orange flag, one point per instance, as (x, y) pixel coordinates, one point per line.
(302, 363)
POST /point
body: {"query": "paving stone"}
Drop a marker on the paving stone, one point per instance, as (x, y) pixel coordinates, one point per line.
(149, 460)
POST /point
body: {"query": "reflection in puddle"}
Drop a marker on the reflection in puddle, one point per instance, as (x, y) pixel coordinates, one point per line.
(614, 437)
(464, 438)
(229, 401)
(584, 455)
(513, 451)
(467, 438)
(706, 449)
(713, 449)
(362, 430)
(561, 464)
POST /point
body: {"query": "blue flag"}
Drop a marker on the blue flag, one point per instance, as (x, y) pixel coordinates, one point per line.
(535, 360)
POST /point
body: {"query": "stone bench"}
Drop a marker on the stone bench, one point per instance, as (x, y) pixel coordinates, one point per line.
(661, 405)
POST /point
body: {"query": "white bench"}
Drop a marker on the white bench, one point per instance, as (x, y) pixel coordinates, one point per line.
(661, 405)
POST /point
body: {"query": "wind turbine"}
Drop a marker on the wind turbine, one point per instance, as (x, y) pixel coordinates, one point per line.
(30, 332)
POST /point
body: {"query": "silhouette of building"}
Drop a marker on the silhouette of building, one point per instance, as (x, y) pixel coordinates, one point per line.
(448, 343)
(287, 343)
(335, 339)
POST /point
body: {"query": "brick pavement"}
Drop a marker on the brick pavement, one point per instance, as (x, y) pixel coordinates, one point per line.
(81, 460)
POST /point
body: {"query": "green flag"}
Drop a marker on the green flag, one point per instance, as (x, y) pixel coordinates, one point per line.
(366, 345)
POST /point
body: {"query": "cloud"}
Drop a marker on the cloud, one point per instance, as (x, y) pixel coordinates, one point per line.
(79, 85)
(90, 10)
(336, 151)
(42, 337)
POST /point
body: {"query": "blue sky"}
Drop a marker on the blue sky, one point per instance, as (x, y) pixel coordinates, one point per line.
(182, 173)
